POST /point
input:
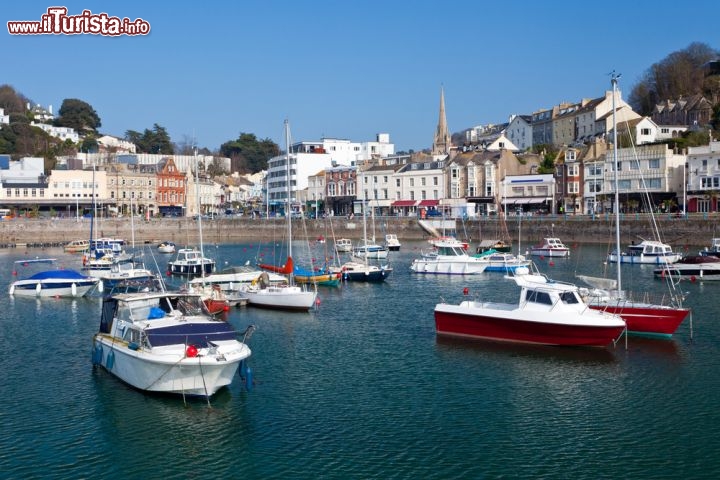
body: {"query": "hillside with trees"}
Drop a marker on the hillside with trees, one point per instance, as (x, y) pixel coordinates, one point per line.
(683, 73)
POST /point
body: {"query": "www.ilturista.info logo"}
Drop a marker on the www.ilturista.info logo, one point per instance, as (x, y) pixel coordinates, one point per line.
(57, 22)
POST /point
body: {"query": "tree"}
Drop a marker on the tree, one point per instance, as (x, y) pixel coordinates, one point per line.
(680, 73)
(247, 154)
(12, 101)
(79, 115)
(156, 140)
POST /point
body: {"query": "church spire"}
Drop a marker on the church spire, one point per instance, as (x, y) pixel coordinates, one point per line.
(441, 142)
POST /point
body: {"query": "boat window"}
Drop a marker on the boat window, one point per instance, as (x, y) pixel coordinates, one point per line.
(538, 297)
(569, 297)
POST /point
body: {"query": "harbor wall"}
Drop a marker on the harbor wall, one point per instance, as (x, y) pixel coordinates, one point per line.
(696, 229)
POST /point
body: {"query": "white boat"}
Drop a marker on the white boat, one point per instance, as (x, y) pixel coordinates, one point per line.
(166, 247)
(550, 247)
(646, 252)
(504, 262)
(694, 268)
(343, 245)
(449, 257)
(164, 342)
(287, 295)
(233, 279)
(50, 283)
(190, 261)
(77, 246)
(547, 313)
(371, 251)
(392, 243)
(130, 270)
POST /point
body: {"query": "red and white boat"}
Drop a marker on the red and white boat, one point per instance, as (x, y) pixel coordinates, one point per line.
(551, 247)
(548, 313)
(643, 314)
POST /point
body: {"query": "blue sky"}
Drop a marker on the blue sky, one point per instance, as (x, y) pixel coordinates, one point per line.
(342, 69)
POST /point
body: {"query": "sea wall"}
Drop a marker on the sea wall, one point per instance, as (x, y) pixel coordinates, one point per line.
(697, 229)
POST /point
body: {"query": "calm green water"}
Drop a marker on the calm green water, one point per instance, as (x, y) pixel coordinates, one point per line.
(361, 388)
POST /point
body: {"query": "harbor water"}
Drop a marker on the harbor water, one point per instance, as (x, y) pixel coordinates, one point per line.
(361, 387)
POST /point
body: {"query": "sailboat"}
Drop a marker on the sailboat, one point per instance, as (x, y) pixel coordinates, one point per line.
(642, 317)
(368, 248)
(287, 295)
(363, 271)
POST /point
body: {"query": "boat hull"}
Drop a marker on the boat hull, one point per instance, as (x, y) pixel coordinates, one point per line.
(56, 288)
(487, 324)
(644, 259)
(696, 272)
(280, 298)
(648, 320)
(169, 370)
(549, 252)
(449, 267)
(191, 269)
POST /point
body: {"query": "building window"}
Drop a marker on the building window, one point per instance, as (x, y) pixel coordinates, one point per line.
(654, 163)
(397, 182)
(412, 182)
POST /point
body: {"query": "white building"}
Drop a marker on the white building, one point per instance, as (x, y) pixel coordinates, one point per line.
(68, 186)
(518, 192)
(703, 178)
(345, 152)
(645, 171)
(115, 144)
(519, 131)
(63, 133)
(422, 183)
(4, 119)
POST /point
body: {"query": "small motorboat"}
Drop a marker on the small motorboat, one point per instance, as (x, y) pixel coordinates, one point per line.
(550, 247)
(549, 313)
(166, 247)
(392, 243)
(51, 283)
(693, 268)
(77, 246)
(189, 261)
(166, 342)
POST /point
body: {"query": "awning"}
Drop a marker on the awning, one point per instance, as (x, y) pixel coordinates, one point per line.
(429, 203)
(525, 201)
(403, 203)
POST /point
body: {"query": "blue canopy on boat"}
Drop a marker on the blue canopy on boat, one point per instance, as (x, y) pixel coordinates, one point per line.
(198, 334)
(61, 274)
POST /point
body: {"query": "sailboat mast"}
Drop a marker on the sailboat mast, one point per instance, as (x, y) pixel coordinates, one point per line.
(289, 189)
(614, 79)
(197, 201)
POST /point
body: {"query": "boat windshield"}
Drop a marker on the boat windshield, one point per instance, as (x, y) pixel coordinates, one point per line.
(569, 297)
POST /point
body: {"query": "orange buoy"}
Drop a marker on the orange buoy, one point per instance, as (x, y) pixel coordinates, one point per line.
(466, 291)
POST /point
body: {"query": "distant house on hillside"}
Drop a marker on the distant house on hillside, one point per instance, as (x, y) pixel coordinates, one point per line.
(694, 110)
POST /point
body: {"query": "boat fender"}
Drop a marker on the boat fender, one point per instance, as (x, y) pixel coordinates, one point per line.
(38, 287)
(101, 286)
(73, 289)
(12, 289)
(110, 361)
(97, 355)
(133, 346)
(248, 378)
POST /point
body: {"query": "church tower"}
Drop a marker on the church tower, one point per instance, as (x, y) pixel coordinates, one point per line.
(441, 142)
